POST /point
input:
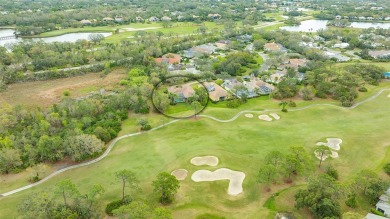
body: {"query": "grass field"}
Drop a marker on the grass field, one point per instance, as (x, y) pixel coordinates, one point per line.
(240, 145)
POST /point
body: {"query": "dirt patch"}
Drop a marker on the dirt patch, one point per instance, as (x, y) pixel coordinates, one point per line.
(265, 118)
(46, 93)
(205, 160)
(249, 115)
(235, 178)
(180, 174)
(276, 116)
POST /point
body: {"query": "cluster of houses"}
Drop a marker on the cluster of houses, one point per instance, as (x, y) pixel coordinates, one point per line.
(362, 18)
(382, 206)
(250, 87)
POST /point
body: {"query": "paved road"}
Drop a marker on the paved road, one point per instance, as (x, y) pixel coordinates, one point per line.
(112, 144)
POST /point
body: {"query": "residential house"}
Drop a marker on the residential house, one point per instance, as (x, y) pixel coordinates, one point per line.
(362, 18)
(3, 12)
(374, 216)
(274, 47)
(231, 84)
(387, 19)
(108, 19)
(378, 54)
(383, 204)
(86, 22)
(370, 18)
(169, 58)
(198, 51)
(214, 16)
(139, 19)
(166, 18)
(341, 45)
(222, 44)
(181, 92)
(154, 19)
(296, 63)
(216, 92)
(118, 19)
(258, 87)
(277, 76)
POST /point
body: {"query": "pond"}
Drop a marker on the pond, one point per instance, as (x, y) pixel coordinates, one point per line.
(307, 26)
(70, 37)
(315, 25)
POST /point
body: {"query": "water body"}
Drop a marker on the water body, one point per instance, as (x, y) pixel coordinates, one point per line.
(315, 25)
(70, 37)
(307, 26)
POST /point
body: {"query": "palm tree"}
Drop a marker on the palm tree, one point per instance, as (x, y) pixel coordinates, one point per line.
(283, 104)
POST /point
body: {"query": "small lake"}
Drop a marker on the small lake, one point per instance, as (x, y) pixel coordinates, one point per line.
(315, 25)
(307, 26)
(70, 37)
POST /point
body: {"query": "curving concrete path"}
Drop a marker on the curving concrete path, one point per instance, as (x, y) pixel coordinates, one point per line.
(112, 144)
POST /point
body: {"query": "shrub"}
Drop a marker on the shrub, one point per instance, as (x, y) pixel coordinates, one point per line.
(233, 103)
(209, 216)
(321, 94)
(66, 93)
(332, 172)
(386, 168)
(284, 110)
(351, 201)
(292, 104)
(117, 204)
(146, 127)
(362, 89)
(374, 211)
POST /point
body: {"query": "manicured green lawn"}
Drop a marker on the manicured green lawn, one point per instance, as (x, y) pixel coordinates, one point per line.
(240, 145)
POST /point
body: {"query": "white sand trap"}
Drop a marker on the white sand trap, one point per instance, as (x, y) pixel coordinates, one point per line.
(333, 155)
(180, 174)
(265, 118)
(205, 160)
(249, 115)
(333, 143)
(388, 95)
(235, 178)
(317, 154)
(276, 116)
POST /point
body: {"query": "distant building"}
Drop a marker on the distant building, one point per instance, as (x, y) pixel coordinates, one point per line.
(214, 16)
(374, 216)
(338, 17)
(341, 45)
(154, 19)
(379, 54)
(118, 18)
(108, 19)
(86, 22)
(383, 204)
(139, 19)
(169, 58)
(166, 18)
(274, 47)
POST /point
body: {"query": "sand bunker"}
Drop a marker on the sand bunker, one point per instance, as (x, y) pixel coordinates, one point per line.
(249, 115)
(388, 95)
(333, 143)
(235, 178)
(205, 160)
(265, 118)
(180, 174)
(276, 116)
(333, 155)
